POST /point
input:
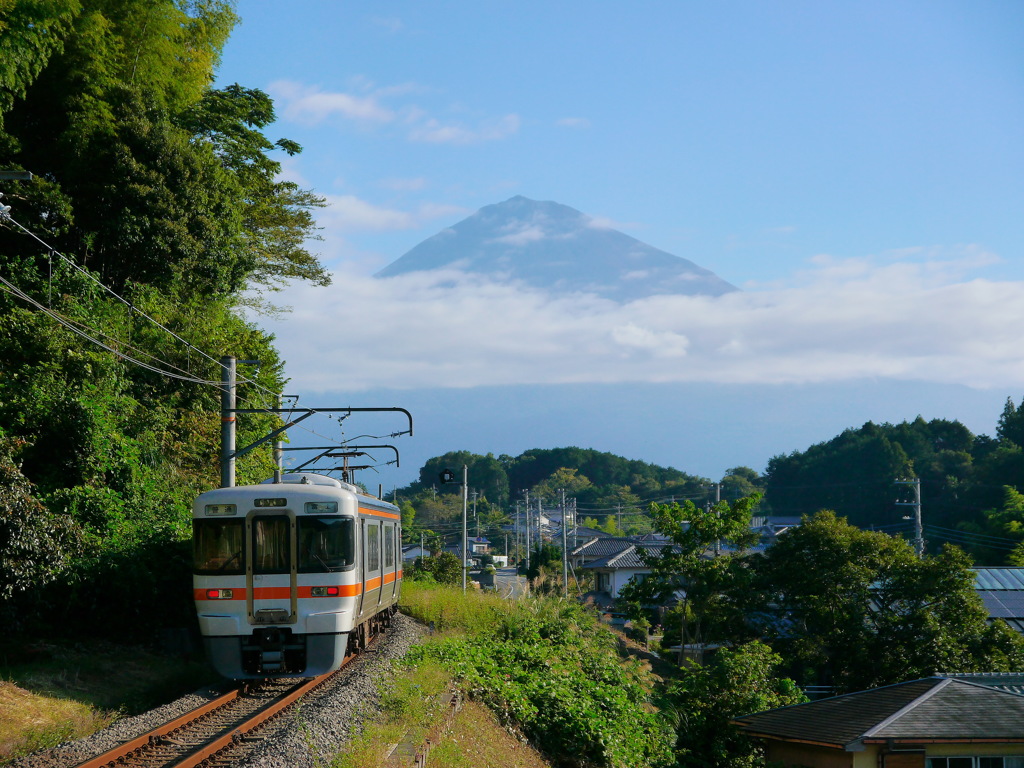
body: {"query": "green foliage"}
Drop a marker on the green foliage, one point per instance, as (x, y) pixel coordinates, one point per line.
(443, 568)
(546, 667)
(142, 171)
(704, 699)
(858, 609)
(35, 545)
(166, 191)
(544, 558)
(710, 584)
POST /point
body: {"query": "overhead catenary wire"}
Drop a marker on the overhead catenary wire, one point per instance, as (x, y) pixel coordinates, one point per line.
(6, 216)
(77, 328)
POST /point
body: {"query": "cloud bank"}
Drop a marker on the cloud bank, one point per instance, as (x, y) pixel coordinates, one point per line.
(913, 315)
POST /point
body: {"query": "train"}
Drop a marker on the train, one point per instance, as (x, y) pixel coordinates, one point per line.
(291, 576)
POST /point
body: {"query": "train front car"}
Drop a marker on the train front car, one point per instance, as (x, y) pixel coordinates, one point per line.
(289, 575)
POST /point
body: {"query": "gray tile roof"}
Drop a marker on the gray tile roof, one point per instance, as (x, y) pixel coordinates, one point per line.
(999, 578)
(627, 558)
(1002, 591)
(934, 708)
(1004, 681)
(600, 548)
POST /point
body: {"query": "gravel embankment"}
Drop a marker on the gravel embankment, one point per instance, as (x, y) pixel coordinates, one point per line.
(309, 733)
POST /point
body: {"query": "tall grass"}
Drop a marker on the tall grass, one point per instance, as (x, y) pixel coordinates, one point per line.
(448, 609)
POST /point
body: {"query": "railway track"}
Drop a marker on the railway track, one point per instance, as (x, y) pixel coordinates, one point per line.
(214, 734)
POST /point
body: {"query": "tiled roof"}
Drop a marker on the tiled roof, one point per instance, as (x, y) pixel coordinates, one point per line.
(602, 547)
(932, 708)
(1004, 681)
(1002, 591)
(627, 558)
(999, 578)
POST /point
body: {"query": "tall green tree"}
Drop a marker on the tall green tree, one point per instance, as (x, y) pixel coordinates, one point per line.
(857, 609)
(704, 699)
(704, 561)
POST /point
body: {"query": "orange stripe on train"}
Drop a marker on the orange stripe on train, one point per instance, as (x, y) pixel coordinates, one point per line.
(369, 511)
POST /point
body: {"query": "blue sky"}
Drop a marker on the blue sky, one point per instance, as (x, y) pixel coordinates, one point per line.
(856, 168)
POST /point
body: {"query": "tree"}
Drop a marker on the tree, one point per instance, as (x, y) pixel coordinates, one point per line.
(706, 698)
(1011, 423)
(562, 479)
(444, 567)
(857, 609)
(689, 564)
(35, 546)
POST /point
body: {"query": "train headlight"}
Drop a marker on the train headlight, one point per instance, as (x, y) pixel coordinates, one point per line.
(325, 591)
(219, 594)
(219, 510)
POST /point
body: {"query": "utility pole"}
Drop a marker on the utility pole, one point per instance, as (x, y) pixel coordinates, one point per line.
(527, 530)
(540, 524)
(476, 519)
(565, 550)
(517, 535)
(916, 504)
(718, 498)
(465, 553)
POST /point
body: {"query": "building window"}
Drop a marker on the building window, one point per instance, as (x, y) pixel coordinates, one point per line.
(1001, 761)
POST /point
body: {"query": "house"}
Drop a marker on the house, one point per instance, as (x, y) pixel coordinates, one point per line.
(413, 551)
(478, 545)
(770, 528)
(611, 573)
(930, 723)
(598, 549)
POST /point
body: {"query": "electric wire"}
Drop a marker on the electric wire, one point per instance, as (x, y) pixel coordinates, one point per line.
(192, 347)
(189, 345)
(71, 326)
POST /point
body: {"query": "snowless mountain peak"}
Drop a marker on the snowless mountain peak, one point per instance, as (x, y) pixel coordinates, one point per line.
(556, 248)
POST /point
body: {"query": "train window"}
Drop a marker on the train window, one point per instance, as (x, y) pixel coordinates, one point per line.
(326, 543)
(270, 544)
(389, 547)
(373, 547)
(217, 546)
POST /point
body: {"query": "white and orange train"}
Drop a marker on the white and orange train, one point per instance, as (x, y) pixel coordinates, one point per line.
(291, 576)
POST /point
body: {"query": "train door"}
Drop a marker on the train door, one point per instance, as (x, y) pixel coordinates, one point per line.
(390, 563)
(272, 583)
(372, 566)
(361, 575)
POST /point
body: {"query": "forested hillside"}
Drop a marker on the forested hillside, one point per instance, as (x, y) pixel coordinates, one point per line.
(970, 484)
(153, 206)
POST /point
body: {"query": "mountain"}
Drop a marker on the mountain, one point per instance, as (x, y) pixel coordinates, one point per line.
(554, 247)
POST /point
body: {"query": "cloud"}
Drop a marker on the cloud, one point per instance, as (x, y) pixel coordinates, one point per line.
(433, 131)
(527, 233)
(308, 105)
(366, 103)
(348, 213)
(917, 318)
(403, 185)
(573, 122)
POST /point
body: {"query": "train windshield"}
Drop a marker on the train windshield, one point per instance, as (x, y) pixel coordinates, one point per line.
(270, 544)
(326, 543)
(217, 546)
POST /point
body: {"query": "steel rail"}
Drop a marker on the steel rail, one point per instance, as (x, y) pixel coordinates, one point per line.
(118, 753)
(267, 713)
(123, 754)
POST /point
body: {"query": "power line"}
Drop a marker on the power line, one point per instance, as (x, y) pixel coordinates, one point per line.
(6, 216)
